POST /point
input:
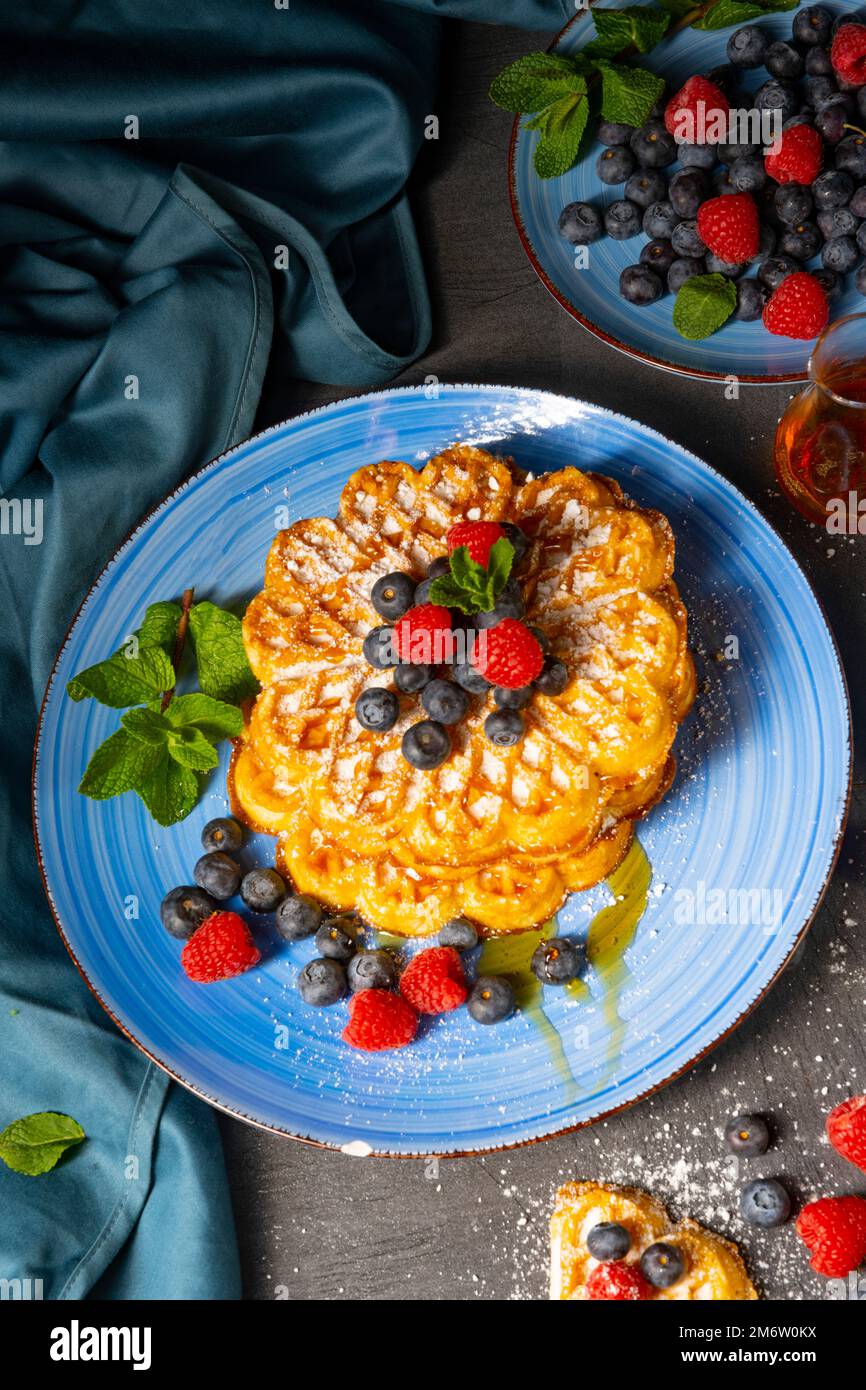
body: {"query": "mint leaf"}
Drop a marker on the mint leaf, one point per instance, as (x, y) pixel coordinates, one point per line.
(223, 669)
(773, 5)
(117, 765)
(536, 80)
(147, 725)
(561, 131)
(34, 1144)
(703, 304)
(499, 563)
(159, 628)
(214, 718)
(728, 12)
(169, 791)
(450, 594)
(628, 94)
(642, 26)
(191, 749)
(124, 680)
(470, 587)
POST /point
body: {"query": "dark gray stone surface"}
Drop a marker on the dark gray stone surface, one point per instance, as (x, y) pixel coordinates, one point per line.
(315, 1225)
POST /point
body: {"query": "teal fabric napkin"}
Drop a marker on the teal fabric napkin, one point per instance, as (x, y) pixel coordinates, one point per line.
(191, 196)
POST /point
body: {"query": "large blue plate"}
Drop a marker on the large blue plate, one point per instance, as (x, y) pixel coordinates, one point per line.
(759, 802)
(591, 295)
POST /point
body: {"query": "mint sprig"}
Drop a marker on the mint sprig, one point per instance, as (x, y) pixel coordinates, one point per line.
(223, 669)
(471, 587)
(703, 304)
(35, 1143)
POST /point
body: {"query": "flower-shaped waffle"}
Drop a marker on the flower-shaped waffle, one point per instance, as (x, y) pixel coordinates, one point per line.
(500, 835)
(712, 1267)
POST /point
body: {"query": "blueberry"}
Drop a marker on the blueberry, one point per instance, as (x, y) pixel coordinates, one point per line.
(731, 270)
(829, 282)
(263, 889)
(608, 1241)
(723, 184)
(793, 203)
(857, 205)
(441, 565)
(686, 240)
(830, 120)
(322, 982)
(840, 254)
(504, 727)
(818, 62)
(426, 745)
(645, 187)
(776, 96)
(737, 149)
(639, 284)
(697, 157)
(725, 77)
(812, 25)
(491, 999)
(469, 679)
(222, 833)
(338, 937)
(518, 539)
(512, 699)
(218, 874)
(860, 279)
(422, 592)
(747, 1135)
(298, 916)
(445, 701)
(458, 933)
(379, 647)
(747, 46)
(686, 268)
(686, 191)
(802, 242)
(751, 298)
(748, 174)
(509, 604)
(183, 910)
(861, 238)
(659, 219)
(767, 243)
(553, 678)
(806, 116)
(839, 221)
(580, 224)
(653, 146)
(377, 709)
(622, 219)
(614, 132)
(775, 269)
(393, 595)
(371, 970)
(851, 156)
(819, 90)
(861, 103)
(615, 165)
(557, 961)
(662, 1265)
(765, 1202)
(410, 677)
(541, 638)
(783, 60)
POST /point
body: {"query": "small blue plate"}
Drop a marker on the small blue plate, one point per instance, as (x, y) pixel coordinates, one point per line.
(757, 808)
(591, 295)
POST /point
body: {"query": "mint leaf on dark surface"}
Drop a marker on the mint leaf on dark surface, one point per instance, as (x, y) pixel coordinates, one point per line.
(703, 304)
(169, 790)
(726, 13)
(123, 680)
(223, 669)
(560, 132)
(33, 1144)
(535, 81)
(628, 94)
(117, 766)
(640, 25)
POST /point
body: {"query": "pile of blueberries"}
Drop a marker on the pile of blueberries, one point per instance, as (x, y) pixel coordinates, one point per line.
(427, 744)
(797, 222)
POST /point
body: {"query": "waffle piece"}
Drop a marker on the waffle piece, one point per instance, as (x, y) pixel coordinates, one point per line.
(714, 1268)
(500, 834)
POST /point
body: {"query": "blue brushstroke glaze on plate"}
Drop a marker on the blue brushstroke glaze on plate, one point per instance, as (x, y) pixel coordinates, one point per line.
(592, 295)
(759, 800)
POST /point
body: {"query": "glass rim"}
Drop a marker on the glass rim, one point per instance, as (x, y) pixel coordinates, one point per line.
(812, 367)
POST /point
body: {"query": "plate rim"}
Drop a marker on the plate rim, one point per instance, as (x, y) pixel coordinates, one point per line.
(418, 391)
(693, 373)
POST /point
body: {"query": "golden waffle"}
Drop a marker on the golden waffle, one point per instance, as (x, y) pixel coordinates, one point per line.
(498, 834)
(714, 1269)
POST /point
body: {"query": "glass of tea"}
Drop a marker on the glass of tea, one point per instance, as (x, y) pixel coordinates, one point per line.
(820, 450)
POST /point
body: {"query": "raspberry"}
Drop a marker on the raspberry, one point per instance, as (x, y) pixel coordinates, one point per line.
(797, 308)
(617, 1281)
(219, 949)
(846, 1130)
(508, 655)
(378, 1020)
(477, 536)
(423, 634)
(796, 156)
(848, 53)
(697, 89)
(729, 227)
(433, 981)
(834, 1231)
